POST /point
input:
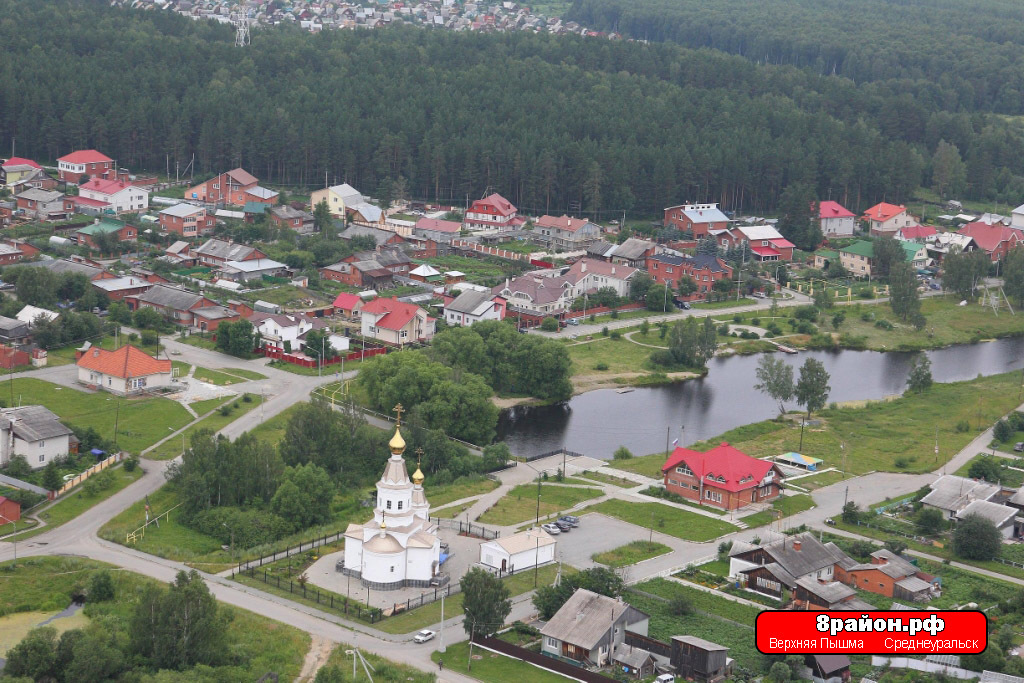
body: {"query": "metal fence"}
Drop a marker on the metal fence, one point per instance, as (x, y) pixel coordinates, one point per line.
(557, 451)
(324, 599)
(466, 528)
(288, 552)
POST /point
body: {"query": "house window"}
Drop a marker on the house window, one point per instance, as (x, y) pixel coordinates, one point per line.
(42, 457)
(552, 643)
(713, 496)
(392, 569)
(389, 505)
(683, 469)
(399, 505)
(42, 443)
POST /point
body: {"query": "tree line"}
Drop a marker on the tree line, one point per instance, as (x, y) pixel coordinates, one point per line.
(554, 123)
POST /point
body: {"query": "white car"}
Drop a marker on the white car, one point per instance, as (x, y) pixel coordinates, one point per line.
(551, 529)
(423, 636)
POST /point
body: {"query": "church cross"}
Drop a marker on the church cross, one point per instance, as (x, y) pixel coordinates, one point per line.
(419, 456)
(399, 410)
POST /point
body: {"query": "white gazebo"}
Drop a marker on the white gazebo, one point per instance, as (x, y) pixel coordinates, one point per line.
(399, 547)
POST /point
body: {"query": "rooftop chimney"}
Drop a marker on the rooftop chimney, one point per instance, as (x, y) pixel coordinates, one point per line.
(796, 544)
(579, 616)
(583, 266)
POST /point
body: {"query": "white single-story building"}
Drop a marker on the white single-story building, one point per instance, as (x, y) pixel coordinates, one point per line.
(526, 549)
(126, 371)
(34, 432)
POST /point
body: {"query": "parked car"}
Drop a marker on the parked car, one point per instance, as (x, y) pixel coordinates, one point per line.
(423, 636)
(686, 305)
(665, 678)
(551, 529)
(571, 520)
(760, 295)
(935, 286)
(564, 527)
(574, 321)
(1018, 447)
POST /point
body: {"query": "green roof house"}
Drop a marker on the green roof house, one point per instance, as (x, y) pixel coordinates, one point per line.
(120, 229)
(858, 258)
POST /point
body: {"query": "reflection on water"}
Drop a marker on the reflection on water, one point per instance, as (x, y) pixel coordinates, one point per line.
(598, 422)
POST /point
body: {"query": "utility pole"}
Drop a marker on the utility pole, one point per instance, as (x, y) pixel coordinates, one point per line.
(440, 630)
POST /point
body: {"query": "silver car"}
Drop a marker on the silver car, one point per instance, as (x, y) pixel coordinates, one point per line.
(423, 636)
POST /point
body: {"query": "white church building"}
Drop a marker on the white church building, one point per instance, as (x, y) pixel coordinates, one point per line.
(399, 547)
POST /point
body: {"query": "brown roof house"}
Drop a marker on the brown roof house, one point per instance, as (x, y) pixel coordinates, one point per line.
(589, 628)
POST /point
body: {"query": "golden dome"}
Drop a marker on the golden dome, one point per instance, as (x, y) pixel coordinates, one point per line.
(417, 476)
(397, 443)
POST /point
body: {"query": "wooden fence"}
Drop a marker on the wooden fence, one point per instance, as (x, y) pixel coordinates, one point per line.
(98, 467)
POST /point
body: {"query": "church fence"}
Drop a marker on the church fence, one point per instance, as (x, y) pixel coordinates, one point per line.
(466, 528)
(282, 554)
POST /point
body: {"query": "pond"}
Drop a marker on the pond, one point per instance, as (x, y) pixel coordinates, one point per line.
(598, 422)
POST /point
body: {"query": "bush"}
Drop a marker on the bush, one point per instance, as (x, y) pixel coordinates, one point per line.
(622, 453)
(755, 321)
(615, 334)
(808, 313)
(247, 398)
(549, 325)
(1002, 431)
(604, 330)
(601, 366)
(806, 328)
(737, 318)
(723, 330)
(662, 357)
(884, 325)
(867, 317)
(747, 334)
(1016, 421)
(680, 605)
(150, 338)
(225, 409)
(130, 464)
(101, 587)
(963, 426)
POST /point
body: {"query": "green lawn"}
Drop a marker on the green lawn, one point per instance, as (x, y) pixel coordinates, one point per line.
(492, 667)
(730, 303)
(621, 482)
(172, 448)
(464, 487)
(1007, 477)
(203, 407)
(428, 615)
(244, 373)
(199, 342)
(520, 504)
(216, 377)
(647, 465)
(787, 505)
(383, 670)
(665, 519)
(819, 481)
(948, 323)
(182, 367)
(141, 422)
(328, 370)
(619, 355)
(65, 355)
(273, 429)
(892, 436)
(631, 553)
(257, 644)
(287, 295)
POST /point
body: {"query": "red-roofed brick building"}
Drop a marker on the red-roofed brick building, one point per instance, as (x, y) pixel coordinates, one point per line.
(120, 195)
(996, 240)
(394, 322)
(235, 187)
(493, 212)
(126, 371)
(84, 162)
(723, 477)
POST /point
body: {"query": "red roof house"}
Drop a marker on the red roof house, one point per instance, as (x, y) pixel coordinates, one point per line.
(723, 477)
(836, 220)
(493, 212)
(996, 239)
(395, 322)
(915, 233)
(126, 371)
(349, 304)
(886, 219)
(84, 162)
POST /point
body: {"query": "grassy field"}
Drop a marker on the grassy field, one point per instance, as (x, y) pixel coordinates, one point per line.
(730, 303)
(203, 407)
(664, 519)
(172, 448)
(880, 435)
(819, 481)
(216, 377)
(631, 553)
(141, 422)
(181, 367)
(457, 490)
(428, 615)
(948, 323)
(383, 670)
(619, 355)
(74, 504)
(787, 505)
(244, 373)
(490, 667)
(520, 504)
(1008, 477)
(284, 295)
(272, 430)
(621, 482)
(65, 355)
(45, 583)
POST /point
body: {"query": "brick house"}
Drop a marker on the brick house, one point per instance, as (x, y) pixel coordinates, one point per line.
(186, 220)
(290, 217)
(394, 322)
(996, 240)
(723, 477)
(766, 243)
(13, 251)
(697, 219)
(370, 269)
(705, 269)
(122, 230)
(117, 288)
(887, 574)
(43, 205)
(493, 212)
(177, 305)
(84, 162)
(234, 188)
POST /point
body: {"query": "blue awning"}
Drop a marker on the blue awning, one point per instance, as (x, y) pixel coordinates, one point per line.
(97, 451)
(444, 557)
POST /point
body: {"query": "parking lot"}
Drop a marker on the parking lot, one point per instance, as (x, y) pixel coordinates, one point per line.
(596, 534)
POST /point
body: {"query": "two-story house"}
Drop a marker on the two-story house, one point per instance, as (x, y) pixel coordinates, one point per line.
(35, 433)
(886, 219)
(696, 219)
(492, 212)
(704, 269)
(16, 169)
(566, 233)
(472, 306)
(835, 219)
(43, 205)
(236, 187)
(83, 164)
(589, 628)
(187, 220)
(723, 477)
(289, 217)
(394, 322)
(120, 196)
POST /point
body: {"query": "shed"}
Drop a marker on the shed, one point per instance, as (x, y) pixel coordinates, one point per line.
(266, 307)
(525, 549)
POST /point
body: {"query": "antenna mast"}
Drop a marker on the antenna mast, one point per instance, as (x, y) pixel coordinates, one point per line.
(241, 24)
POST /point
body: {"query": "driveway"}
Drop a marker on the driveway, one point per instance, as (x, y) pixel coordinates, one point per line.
(596, 534)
